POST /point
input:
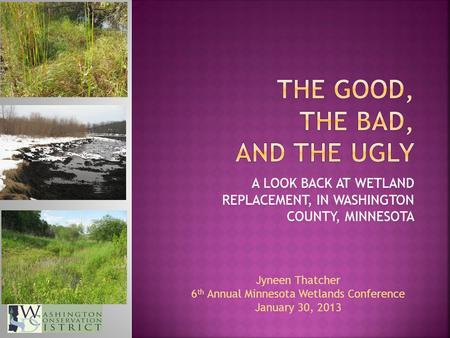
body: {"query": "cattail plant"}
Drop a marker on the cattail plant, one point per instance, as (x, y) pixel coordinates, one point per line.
(24, 33)
(63, 49)
(87, 71)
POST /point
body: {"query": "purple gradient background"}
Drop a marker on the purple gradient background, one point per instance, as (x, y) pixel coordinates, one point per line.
(203, 82)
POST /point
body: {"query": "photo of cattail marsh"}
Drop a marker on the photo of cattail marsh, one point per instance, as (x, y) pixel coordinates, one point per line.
(53, 49)
(61, 152)
(64, 257)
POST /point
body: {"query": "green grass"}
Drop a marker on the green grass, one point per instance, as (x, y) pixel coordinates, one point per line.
(39, 270)
(48, 56)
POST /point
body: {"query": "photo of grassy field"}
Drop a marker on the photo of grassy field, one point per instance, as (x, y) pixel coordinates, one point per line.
(64, 257)
(74, 49)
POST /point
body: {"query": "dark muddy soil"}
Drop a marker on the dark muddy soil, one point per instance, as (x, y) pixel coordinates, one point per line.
(70, 171)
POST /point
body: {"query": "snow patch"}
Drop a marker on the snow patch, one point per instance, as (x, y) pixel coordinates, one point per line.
(9, 144)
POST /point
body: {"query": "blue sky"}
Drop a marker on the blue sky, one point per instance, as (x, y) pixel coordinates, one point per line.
(85, 217)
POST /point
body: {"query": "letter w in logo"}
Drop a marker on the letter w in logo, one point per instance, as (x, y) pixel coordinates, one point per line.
(30, 309)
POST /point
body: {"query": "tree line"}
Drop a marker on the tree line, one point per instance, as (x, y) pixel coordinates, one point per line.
(38, 125)
(107, 228)
(118, 127)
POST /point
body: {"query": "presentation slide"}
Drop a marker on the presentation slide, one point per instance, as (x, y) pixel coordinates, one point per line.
(224, 168)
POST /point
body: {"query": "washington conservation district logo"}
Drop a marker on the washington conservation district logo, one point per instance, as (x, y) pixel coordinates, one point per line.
(25, 318)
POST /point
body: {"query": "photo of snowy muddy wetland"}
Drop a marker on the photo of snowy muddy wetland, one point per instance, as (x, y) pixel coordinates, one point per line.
(63, 152)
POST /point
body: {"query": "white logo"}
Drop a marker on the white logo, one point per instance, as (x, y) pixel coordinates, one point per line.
(25, 318)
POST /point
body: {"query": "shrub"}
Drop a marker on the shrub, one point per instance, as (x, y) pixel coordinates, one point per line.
(120, 243)
(71, 233)
(106, 228)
